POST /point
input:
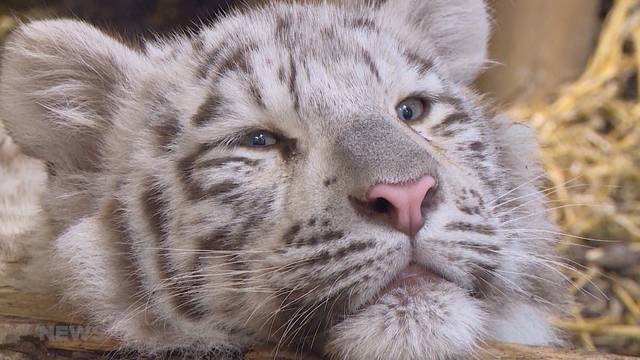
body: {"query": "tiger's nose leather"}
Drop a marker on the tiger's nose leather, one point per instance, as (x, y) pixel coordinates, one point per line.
(405, 202)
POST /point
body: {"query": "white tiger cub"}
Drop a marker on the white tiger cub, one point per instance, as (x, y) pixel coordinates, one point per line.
(317, 176)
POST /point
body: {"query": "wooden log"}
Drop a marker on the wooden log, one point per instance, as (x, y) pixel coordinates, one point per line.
(41, 329)
(521, 352)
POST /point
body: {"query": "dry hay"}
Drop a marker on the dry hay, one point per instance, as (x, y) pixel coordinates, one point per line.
(590, 142)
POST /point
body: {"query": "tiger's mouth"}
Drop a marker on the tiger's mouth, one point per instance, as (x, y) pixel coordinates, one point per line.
(411, 279)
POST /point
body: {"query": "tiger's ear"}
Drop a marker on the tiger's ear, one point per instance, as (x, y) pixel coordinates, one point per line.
(60, 83)
(456, 30)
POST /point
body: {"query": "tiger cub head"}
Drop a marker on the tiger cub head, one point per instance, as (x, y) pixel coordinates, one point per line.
(322, 177)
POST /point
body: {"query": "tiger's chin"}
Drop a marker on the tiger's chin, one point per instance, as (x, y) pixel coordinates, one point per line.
(423, 319)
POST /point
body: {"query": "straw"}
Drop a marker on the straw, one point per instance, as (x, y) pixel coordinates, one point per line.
(589, 133)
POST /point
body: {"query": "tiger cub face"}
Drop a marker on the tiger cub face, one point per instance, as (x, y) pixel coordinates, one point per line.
(317, 176)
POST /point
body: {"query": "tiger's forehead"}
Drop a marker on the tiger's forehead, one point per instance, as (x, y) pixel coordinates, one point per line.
(306, 60)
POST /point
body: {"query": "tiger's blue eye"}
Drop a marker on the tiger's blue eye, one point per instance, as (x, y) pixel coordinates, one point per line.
(410, 109)
(259, 139)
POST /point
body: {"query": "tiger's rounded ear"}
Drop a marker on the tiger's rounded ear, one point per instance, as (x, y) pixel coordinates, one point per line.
(457, 31)
(60, 83)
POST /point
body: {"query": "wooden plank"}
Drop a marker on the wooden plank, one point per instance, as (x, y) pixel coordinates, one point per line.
(34, 306)
(538, 45)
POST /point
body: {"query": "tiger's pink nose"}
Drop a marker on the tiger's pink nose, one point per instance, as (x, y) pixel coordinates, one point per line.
(402, 202)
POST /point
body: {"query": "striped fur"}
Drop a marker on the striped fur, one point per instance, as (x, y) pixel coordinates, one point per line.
(173, 235)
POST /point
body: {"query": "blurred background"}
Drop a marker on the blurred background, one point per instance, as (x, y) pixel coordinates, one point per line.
(567, 67)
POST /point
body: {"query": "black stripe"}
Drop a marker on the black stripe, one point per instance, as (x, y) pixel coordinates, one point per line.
(487, 249)
(451, 100)
(354, 247)
(293, 73)
(254, 90)
(469, 227)
(221, 188)
(237, 61)
(484, 275)
(371, 64)
(219, 162)
(210, 60)
(195, 190)
(291, 234)
(282, 28)
(361, 23)
(209, 110)
(443, 128)
(477, 146)
(155, 208)
(166, 132)
(214, 240)
(455, 118)
(124, 258)
(421, 64)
